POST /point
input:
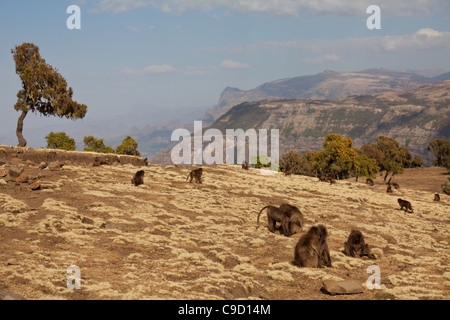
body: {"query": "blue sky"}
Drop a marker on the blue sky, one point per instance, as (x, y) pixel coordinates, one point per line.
(179, 55)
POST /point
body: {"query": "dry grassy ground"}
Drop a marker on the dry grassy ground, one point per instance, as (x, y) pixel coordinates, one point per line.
(169, 239)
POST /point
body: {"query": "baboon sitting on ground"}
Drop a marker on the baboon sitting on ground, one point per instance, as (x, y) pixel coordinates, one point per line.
(138, 178)
(370, 182)
(311, 250)
(405, 205)
(245, 165)
(195, 174)
(389, 189)
(437, 197)
(355, 243)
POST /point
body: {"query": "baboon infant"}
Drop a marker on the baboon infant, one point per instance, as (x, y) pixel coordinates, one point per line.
(355, 243)
(405, 205)
(138, 178)
(437, 197)
(195, 174)
(311, 250)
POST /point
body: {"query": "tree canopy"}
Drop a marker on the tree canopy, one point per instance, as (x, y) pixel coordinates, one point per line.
(129, 147)
(43, 91)
(61, 141)
(93, 144)
(441, 150)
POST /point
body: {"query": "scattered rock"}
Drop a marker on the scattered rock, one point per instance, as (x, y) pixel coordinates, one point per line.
(35, 186)
(43, 165)
(5, 295)
(362, 209)
(12, 262)
(14, 172)
(23, 178)
(87, 220)
(3, 182)
(55, 165)
(342, 287)
(3, 173)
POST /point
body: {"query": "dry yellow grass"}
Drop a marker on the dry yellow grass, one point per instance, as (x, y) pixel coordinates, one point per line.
(169, 239)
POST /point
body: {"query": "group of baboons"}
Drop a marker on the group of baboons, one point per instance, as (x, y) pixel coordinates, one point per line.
(312, 248)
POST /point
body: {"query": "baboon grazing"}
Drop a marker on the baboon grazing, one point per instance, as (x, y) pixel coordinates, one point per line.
(274, 215)
(370, 182)
(405, 204)
(245, 165)
(355, 243)
(138, 178)
(195, 174)
(395, 185)
(389, 189)
(437, 197)
(295, 217)
(311, 250)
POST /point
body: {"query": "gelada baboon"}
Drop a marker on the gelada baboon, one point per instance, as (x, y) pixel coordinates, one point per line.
(437, 197)
(370, 182)
(405, 205)
(245, 165)
(389, 189)
(355, 243)
(396, 185)
(274, 215)
(288, 172)
(311, 250)
(195, 174)
(295, 217)
(138, 178)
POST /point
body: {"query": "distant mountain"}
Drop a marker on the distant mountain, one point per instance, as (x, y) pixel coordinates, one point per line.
(325, 85)
(414, 118)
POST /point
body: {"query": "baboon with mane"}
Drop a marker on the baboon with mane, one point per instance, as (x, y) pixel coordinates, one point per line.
(290, 218)
(138, 178)
(355, 243)
(311, 250)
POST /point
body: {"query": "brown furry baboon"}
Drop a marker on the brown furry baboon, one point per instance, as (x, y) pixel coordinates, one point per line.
(332, 180)
(389, 189)
(370, 182)
(405, 205)
(288, 172)
(138, 178)
(195, 174)
(295, 217)
(245, 165)
(274, 215)
(437, 197)
(396, 185)
(355, 243)
(311, 250)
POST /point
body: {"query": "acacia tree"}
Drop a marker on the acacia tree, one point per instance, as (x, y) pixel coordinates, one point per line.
(44, 90)
(441, 150)
(129, 147)
(92, 144)
(60, 140)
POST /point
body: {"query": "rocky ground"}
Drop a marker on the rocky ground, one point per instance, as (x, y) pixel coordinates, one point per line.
(170, 239)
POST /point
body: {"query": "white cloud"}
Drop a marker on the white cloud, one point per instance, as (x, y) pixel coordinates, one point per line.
(131, 28)
(329, 57)
(278, 7)
(152, 69)
(423, 39)
(230, 64)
